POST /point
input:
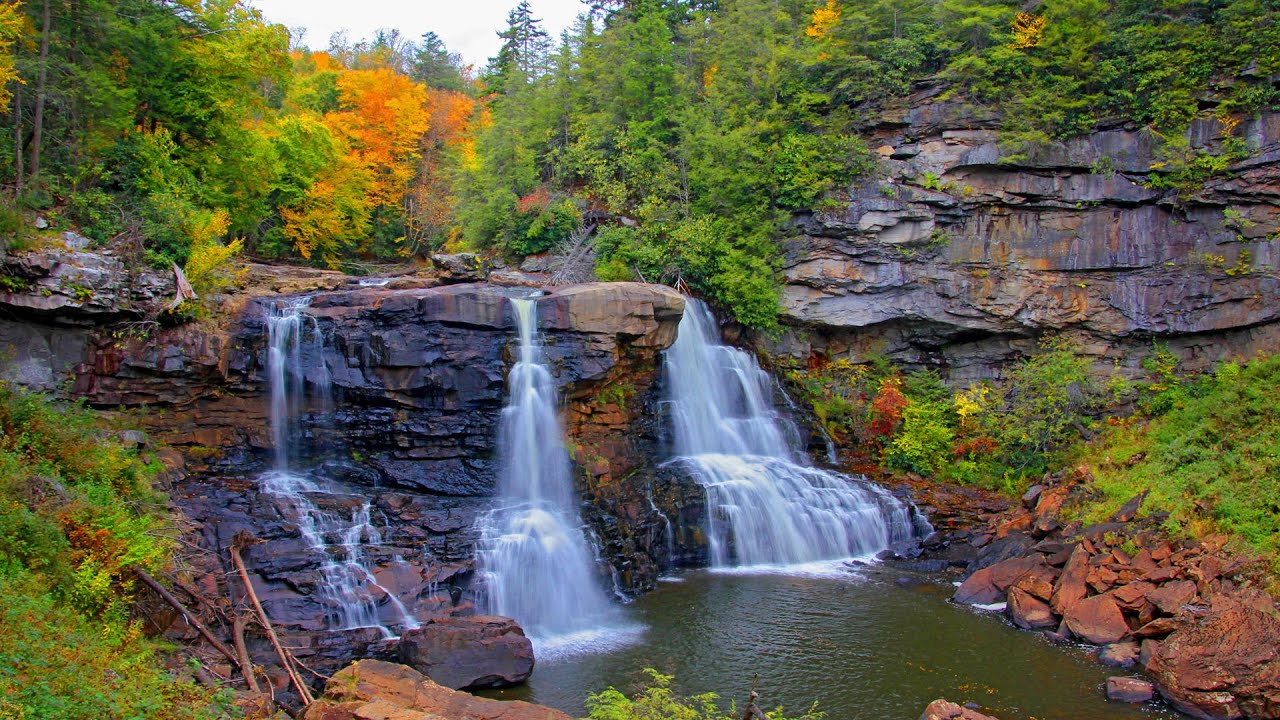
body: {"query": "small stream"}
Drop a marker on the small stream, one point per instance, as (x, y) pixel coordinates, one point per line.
(864, 647)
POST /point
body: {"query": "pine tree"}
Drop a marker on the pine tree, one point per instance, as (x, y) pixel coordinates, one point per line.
(526, 48)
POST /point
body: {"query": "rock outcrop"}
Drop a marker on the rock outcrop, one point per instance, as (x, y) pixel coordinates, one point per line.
(375, 690)
(962, 254)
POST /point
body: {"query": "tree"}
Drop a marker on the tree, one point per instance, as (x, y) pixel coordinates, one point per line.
(524, 52)
(436, 67)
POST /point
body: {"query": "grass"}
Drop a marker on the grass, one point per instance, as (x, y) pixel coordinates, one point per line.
(1211, 460)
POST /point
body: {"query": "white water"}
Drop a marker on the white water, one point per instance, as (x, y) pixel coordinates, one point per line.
(350, 591)
(766, 505)
(533, 556)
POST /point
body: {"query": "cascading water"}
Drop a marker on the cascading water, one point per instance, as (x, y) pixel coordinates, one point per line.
(347, 584)
(533, 555)
(766, 505)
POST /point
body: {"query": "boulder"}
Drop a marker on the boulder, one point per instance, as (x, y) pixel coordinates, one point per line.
(1097, 620)
(1226, 663)
(1028, 611)
(1071, 587)
(944, 710)
(469, 652)
(1130, 690)
(1172, 596)
(373, 689)
(460, 267)
(1120, 654)
(989, 584)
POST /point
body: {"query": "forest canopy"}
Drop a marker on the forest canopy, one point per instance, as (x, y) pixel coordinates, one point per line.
(685, 133)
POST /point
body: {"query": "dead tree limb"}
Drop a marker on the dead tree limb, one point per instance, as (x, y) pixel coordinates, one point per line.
(753, 711)
(187, 615)
(246, 663)
(240, 540)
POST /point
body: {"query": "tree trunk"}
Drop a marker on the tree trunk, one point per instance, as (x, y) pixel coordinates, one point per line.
(37, 121)
(17, 137)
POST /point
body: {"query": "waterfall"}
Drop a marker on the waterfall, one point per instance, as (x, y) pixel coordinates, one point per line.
(533, 555)
(347, 585)
(766, 505)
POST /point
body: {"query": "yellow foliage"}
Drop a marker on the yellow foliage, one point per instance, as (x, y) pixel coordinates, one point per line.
(13, 25)
(824, 20)
(973, 403)
(210, 264)
(1028, 30)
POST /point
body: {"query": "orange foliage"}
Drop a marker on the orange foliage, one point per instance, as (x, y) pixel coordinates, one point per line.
(1028, 29)
(383, 118)
(430, 202)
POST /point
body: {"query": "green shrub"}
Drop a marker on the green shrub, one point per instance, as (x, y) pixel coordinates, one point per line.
(1212, 460)
(659, 702)
(77, 514)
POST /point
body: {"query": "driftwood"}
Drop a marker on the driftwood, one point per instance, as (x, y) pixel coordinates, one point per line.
(240, 540)
(188, 616)
(752, 711)
(246, 663)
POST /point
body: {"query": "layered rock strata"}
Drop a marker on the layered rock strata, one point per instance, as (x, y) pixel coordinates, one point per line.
(962, 253)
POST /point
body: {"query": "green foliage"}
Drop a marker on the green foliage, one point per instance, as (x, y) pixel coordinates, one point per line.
(659, 702)
(995, 435)
(76, 515)
(57, 664)
(1210, 457)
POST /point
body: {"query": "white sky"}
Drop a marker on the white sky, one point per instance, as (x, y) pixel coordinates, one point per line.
(467, 26)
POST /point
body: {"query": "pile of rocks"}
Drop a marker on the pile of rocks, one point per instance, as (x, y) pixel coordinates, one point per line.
(1185, 612)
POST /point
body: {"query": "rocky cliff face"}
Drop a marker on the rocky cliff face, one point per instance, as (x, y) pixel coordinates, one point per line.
(397, 411)
(961, 255)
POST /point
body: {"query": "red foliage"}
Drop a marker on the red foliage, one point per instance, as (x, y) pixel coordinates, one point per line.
(974, 448)
(886, 409)
(536, 201)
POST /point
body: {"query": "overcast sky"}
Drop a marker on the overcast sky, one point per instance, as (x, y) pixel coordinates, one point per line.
(467, 26)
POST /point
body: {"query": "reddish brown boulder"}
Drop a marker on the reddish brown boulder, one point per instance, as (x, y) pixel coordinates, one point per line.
(1120, 654)
(943, 710)
(375, 689)
(469, 652)
(1226, 663)
(1130, 690)
(1132, 596)
(1038, 581)
(1029, 612)
(989, 584)
(1171, 597)
(1071, 587)
(1097, 620)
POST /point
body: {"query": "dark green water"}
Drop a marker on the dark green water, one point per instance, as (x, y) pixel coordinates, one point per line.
(861, 647)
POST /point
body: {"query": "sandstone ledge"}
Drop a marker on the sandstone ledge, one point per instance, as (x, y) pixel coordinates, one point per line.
(374, 689)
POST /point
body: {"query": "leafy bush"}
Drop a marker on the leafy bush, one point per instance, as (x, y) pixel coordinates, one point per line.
(77, 514)
(659, 702)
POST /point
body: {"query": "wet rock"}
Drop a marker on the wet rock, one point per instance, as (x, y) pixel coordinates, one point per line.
(1097, 620)
(472, 652)
(1226, 663)
(1029, 612)
(944, 710)
(1121, 654)
(989, 584)
(372, 689)
(1129, 690)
